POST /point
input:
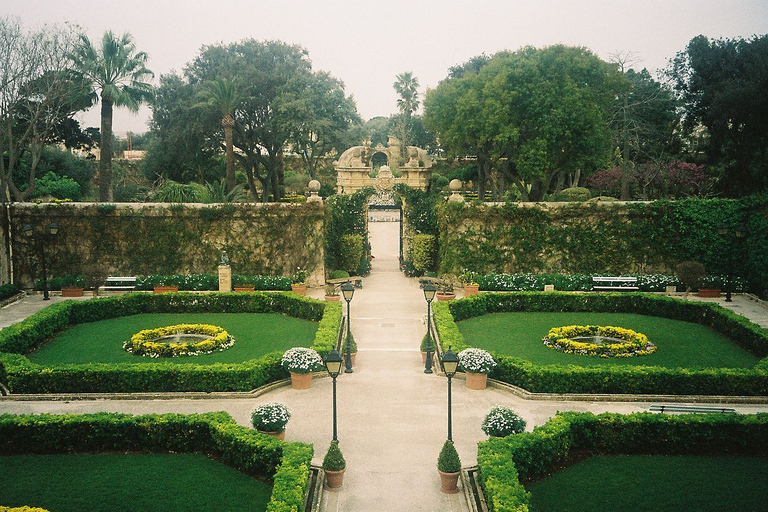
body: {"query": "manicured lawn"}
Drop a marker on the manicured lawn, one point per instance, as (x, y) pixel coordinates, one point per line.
(111, 482)
(655, 484)
(102, 341)
(680, 344)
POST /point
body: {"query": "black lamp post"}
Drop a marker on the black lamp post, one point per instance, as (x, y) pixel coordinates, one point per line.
(429, 294)
(450, 362)
(738, 233)
(333, 363)
(53, 230)
(348, 290)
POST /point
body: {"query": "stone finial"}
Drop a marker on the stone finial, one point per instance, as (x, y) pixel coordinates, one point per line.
(455, 186)
(314, 188)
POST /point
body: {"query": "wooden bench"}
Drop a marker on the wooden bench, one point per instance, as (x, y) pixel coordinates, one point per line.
(119, 283)
(355, 280)
(622, 284)
(702, 409)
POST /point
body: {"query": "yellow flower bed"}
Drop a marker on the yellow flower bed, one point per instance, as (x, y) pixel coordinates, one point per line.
(144, 342)
(632, 343)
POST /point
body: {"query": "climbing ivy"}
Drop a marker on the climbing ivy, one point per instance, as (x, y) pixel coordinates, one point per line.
(345, 215)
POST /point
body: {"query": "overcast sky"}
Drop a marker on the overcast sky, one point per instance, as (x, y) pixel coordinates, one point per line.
(367, 43)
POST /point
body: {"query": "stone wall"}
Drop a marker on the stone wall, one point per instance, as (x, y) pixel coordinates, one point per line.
(98, 240)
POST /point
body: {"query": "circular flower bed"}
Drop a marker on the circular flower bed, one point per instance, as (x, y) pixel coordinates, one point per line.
(168, 341)
(620, 342)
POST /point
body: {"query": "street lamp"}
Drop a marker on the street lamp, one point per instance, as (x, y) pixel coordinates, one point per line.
(725, 231)
(333, 363)
(348, 290)
(450, 362)
(53, 230)
(429, 294)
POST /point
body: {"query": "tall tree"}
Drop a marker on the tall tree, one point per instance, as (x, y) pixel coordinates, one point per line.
(118, 74)
(722, 85)
(406, 85)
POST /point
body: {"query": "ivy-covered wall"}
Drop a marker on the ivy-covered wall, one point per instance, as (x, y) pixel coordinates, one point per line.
(98, 240)
(609, 237)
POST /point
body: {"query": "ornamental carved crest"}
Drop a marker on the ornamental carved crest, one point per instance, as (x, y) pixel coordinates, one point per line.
(385, 180)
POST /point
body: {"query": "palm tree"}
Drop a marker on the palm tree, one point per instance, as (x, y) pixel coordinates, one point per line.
(406, 86)
(117, 72)
(224, 96)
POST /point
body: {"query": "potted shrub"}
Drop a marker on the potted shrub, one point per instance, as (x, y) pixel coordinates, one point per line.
(334, 466)
(445, 291)
(477, 364)
(469, 278)
(449, 468)
(691, 273)
(72, 286)
(331, 293)
(299, 281)
(423, 347)
(271, 418)
(301, 362)
(352, 346)
(502, 422)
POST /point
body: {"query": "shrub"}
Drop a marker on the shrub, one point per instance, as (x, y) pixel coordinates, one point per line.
(351, 252)
(423, 252)
(7, 291)
(502, 421)
(572, 194)
(448, 461)
(339, 274)
(270, 417)
(334, 459)
(690, 274)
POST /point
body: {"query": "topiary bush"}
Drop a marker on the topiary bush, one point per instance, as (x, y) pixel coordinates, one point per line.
(448, 461)
(572, 194)
(350, 253)
(334, 459)
(690, 273)
(423, 251)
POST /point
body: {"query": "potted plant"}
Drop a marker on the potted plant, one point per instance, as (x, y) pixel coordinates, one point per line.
(72, 286)
(301, 362)
(477, 364)
(449, 468)
(502, 422)
(423, 347)
(331, 293)
(445, 291)
(271, 418)
(334, 466)
(469, 278)
(691, 273)
(352, 346)
(299, 281)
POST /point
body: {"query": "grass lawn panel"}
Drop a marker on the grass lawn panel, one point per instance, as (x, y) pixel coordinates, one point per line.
(255, 334)
(655, 484)
(110, 482)
(680, 344)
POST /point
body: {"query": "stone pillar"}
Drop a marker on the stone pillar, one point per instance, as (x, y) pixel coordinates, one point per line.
(225, 278)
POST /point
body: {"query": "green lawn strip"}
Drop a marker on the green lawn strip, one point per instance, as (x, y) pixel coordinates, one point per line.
(680, 344)
(655, 484)
(111, 482)
(102, 341)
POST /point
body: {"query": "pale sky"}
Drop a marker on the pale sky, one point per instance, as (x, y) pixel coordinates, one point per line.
(367, 43)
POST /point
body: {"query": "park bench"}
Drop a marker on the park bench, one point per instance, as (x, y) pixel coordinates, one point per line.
(702, 409)
(119, 283)
(355, 280)
(628, 284)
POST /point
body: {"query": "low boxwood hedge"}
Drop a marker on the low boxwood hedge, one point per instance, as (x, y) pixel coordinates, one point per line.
(214, 434)
(20, 375)
(614, 379)
(504, 463)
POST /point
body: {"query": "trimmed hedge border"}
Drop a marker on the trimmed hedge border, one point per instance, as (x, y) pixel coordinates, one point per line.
(504, 462)
(213, 434)
(615, 379)
(21, 376)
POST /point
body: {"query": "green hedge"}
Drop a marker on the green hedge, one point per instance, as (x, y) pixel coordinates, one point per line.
(215, 434)
(19, 375)
(7, 291)
(614, 379)
(504, 462)
(584, 283)
(423, 250)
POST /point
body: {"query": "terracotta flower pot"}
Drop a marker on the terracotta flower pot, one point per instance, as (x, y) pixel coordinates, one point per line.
(334, 479)
(280, 435)
(471, 289)
(301, 380)
(449, 482)
(166, 289)
(445, 296)
(332, 298)
(71, 292)
(476, 380)
(704, 292)
(299, 289)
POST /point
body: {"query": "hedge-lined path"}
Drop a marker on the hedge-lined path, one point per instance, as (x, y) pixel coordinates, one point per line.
(392, 417)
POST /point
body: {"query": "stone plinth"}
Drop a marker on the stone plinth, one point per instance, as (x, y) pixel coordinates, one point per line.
(225, 278)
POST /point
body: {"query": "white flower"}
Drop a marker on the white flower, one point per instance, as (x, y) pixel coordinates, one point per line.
(301, 360)
(476, 360)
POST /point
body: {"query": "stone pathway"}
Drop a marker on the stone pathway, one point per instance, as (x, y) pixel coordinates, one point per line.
(392, 418)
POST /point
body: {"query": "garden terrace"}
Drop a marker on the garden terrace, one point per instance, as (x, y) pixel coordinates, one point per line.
(285, 465)
(566, 373)
(20, 375)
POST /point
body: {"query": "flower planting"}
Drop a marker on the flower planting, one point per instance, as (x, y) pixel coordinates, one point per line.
(476, 360)
(270, 417)
(502, 421)
(600, 341)
(301, 360)
(168, 341)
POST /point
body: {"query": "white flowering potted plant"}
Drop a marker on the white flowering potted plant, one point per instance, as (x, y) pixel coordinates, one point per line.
(300, 363)
(299, 281)
(271, 418)
(469, 278)
(502, 422)
(477, 364)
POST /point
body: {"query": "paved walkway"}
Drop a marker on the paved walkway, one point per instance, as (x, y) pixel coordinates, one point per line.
(391, 416)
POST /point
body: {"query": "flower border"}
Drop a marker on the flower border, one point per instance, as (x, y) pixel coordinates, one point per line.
(142, 343)
(635, 343)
